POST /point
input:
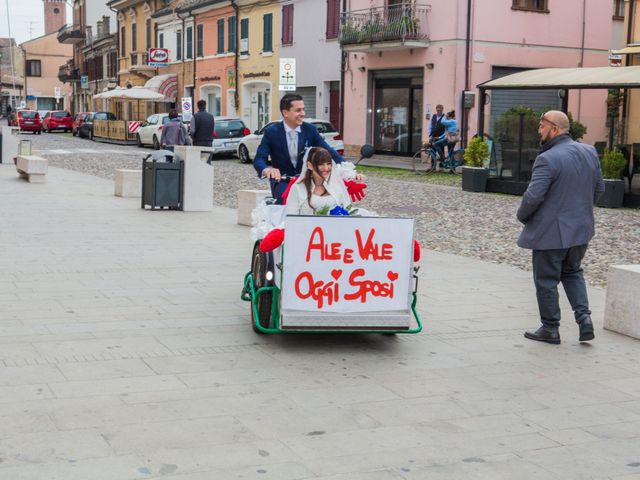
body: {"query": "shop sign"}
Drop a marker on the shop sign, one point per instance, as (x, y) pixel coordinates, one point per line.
(158, 57)
(256, 74)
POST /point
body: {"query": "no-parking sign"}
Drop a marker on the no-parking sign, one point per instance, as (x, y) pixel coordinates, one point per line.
(187, 109)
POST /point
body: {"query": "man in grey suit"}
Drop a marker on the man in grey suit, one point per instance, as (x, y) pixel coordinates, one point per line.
(557, 213)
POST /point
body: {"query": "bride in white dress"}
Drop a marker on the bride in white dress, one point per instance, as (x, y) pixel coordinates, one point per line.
(320, 185)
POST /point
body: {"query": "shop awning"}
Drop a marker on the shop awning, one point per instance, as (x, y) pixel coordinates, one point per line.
(133, 93)
(627, 50)
(167, 85)
(569, 78)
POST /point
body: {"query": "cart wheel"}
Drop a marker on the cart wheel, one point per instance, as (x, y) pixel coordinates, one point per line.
(259, 266)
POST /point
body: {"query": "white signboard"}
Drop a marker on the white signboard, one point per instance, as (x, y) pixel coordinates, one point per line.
(158, 57)
(57, 93)
(187, 109)
(287, 74)
(347, 264)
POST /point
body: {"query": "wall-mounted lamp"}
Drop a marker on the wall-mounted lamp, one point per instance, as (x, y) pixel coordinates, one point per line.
(362, 69)
(429, 66)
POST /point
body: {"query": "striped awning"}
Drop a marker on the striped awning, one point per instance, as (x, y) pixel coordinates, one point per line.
(167, 85)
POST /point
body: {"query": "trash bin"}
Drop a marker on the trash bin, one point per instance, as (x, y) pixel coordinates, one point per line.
(162, 184)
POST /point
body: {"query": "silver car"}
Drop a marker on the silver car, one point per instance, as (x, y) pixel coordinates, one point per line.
(227, 134)
(249, 145)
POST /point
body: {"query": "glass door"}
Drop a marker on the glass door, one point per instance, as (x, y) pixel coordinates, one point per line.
(397, 118)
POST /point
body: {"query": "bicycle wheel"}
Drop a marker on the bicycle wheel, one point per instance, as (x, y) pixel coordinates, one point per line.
(457, 159)
(420, 166)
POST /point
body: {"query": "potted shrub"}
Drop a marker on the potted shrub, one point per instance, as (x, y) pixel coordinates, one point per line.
(613, 162)
(474, 173)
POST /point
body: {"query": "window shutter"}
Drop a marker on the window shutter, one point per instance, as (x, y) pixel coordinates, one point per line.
(287, 24)
(333, 18)
(267, 43)
(220, 35)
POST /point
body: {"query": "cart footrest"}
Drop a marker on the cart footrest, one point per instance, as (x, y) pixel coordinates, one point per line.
(370, 321)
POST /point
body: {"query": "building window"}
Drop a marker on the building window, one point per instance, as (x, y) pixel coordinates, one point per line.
(232, 35)
(148, 32)
(531, 5)
(179, 45)
(189, 52)
(244, 36)
(199, 41)
(333, 19)
(161, 40)
(287, 24)
(267, 33)
(33, 68)
(123, 44)
(220, 35)
(618, 9)
(112, 65)
(134, 40)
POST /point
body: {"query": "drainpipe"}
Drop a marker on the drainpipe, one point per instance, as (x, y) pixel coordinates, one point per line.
(236, 94)
(584, 24)
(625, 98)
(184, 53)
(467, 66)
(343, 67)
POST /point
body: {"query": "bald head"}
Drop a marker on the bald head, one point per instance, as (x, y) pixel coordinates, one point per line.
(552, 124)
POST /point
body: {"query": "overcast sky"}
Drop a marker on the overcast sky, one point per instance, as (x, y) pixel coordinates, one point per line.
(26, 17)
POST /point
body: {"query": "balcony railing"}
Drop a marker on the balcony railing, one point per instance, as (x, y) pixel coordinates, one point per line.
(70, 35)
(404, 24)
(68, 74)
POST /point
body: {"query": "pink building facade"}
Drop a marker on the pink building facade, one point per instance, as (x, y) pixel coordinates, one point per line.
(404, 58)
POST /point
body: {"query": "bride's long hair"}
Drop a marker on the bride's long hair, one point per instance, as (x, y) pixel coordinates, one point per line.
(317, 156)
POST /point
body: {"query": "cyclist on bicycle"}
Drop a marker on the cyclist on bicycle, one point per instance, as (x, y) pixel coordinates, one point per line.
(450, 137)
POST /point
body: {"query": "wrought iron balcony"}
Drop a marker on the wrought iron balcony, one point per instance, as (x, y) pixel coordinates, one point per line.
(70, 35)
(68, 74)
(380, 28)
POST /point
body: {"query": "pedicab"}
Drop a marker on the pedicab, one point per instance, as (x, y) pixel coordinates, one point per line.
(326, 273)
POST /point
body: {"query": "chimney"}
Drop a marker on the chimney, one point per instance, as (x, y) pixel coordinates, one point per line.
(99, 29)
(105, 24)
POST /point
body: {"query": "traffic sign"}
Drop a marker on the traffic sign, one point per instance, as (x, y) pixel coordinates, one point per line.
(57, 93)
(84, 81)
(187, 108)
(287, 74)
(158, 57)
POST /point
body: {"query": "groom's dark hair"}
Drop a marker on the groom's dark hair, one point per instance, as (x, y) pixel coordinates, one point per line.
(287, 100)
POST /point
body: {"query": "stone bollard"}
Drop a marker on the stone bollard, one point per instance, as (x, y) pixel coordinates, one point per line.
(127, 183)
(622, 306)
(247, 201)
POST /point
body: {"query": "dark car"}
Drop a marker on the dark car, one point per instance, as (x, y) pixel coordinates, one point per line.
(28, 121)
(77, 121)
(57, 120)
(86, 127)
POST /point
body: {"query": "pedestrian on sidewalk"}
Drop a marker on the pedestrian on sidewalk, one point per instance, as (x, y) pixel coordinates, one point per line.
(557, 213)
(173, 132)
(202, 127)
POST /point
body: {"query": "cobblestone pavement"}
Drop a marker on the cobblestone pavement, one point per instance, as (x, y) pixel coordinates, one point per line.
(448, 220)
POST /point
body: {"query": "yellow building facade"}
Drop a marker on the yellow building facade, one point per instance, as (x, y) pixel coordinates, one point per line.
(258, 64)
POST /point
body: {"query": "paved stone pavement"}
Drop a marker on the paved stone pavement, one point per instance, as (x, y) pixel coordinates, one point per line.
(476, 225)
(126, 353)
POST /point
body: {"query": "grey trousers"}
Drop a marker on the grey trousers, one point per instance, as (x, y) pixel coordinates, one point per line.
(551, 267)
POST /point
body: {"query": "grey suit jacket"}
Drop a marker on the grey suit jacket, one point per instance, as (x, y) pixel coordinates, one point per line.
(557, 208)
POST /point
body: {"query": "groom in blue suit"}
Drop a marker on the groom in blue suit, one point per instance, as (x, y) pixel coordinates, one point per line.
(285, 143)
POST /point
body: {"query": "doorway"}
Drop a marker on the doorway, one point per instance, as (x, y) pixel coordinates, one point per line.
(397, 119)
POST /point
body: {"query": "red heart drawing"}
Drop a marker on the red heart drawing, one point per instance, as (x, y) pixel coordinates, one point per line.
(392, 275)
(336, 273)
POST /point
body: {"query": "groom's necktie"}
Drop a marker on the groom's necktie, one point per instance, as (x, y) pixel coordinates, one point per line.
(293, 147)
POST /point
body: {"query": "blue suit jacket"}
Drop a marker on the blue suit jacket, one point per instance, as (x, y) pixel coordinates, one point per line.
(274, 145)
(557, 208)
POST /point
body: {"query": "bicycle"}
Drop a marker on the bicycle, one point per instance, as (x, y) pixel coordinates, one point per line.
(452, 162)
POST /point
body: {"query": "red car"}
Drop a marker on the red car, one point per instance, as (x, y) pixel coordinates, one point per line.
(57, 120)
(77, 121)
(28, 121)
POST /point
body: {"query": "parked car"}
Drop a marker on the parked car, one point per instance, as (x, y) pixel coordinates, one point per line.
(227, 133)
(57, 120)
(28, 121)
(248, 146)
(86, 127)
(150, 131)
(77, 121)
(43, 113)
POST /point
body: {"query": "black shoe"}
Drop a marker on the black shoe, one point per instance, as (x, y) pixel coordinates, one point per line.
(586, 330)
(543, 334)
